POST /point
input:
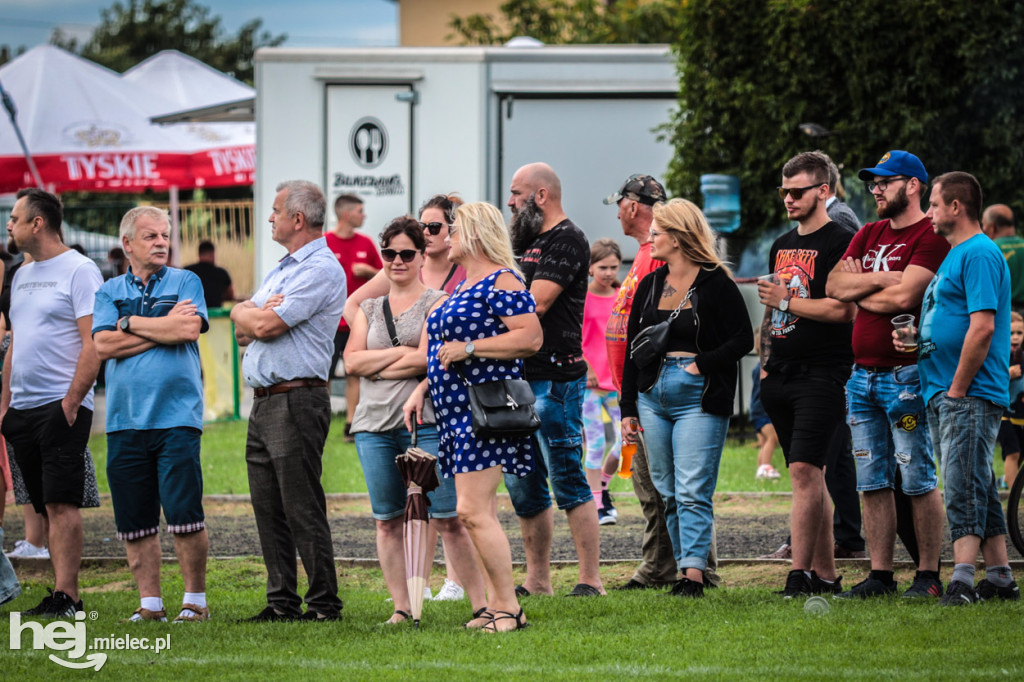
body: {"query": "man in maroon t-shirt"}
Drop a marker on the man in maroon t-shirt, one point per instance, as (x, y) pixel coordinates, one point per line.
(886, 270)
(358, 256)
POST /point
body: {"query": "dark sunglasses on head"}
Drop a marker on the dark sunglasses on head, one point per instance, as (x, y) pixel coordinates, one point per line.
(432, 228)
(405, 255)
(797, 192)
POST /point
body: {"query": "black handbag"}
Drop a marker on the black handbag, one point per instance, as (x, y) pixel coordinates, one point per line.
(503, 408)
(651, 343)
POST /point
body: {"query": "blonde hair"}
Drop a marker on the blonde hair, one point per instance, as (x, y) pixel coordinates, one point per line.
(1016, 317)
(483, 235)
(685, 223)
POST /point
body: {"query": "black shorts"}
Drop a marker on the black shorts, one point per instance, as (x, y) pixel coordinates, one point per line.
(49, 452)
(340, 341)
(1009, 437)
(806, 408)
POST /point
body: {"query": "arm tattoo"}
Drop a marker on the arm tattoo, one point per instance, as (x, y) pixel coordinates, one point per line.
(668, 291)
(766, 337)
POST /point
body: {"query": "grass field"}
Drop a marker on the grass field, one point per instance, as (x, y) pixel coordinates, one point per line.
(732, 634)
(224, 464)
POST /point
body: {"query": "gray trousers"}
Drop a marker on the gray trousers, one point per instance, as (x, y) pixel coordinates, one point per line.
(283, 453)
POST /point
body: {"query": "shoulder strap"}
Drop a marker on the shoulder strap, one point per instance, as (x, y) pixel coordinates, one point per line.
(389, 320)
(451, 273)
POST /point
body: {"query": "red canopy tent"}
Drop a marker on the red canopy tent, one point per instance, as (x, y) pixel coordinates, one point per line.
(87, 128)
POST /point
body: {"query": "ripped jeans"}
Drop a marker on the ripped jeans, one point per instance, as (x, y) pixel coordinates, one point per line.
(888, 420)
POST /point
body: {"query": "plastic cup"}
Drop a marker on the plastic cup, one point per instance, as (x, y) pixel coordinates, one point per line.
(906, 332)
(818, 606)
(771, 278)
(626, 460)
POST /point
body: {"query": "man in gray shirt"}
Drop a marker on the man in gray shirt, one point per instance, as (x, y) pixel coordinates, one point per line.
(288, 328)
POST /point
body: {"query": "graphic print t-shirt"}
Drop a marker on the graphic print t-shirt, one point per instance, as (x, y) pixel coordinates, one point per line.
(560, 255)
(615, 335)
(803, 263)
(883, 249)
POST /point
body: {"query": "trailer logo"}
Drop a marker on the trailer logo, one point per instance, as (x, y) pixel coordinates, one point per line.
(369, 142)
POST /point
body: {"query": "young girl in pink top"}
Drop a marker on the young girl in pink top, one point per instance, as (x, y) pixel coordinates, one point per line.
(605, 259)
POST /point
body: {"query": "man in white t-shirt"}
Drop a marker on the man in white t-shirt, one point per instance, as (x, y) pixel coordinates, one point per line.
(49, 372)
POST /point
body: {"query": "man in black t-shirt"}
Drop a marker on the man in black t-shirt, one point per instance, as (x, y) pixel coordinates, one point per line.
(217, 286)
(806, 356)
(555, 257)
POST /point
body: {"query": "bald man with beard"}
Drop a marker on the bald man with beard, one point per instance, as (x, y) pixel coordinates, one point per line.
(555, 257)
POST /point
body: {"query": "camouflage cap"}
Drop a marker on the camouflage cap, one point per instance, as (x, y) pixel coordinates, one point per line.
(639, 187)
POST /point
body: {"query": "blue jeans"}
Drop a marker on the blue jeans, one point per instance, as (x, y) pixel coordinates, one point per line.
(9, 585)
(377, 452)
(684, 449)
(964, 433)
(560, 440)
(889, 424)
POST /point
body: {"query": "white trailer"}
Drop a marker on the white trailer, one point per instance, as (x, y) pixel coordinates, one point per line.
(397, 125)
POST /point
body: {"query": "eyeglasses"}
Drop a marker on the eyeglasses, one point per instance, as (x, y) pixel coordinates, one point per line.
(883, 185)
(433, 228)
(405, 255)
(655, 233)
(797, 192)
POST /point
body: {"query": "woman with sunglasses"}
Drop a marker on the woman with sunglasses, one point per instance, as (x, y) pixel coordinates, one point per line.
(482, 331)
(390, 369)
(685, 393)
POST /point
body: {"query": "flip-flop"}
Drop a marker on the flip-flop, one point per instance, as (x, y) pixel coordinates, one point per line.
(584, 590)
(522, 591)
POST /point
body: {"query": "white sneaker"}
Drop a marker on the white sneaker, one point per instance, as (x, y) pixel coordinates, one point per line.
(23, 549)
(427, 596)
(451, 591)
(767, 471)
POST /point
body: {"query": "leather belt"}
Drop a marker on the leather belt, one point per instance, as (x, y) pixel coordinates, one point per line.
(879, 370)
(286, 386)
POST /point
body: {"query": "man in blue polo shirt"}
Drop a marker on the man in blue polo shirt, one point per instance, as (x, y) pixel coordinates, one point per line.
(146, 324)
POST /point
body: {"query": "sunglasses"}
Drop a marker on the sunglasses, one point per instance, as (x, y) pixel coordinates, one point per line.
(433, 228)
(797, 192)
(405, 255)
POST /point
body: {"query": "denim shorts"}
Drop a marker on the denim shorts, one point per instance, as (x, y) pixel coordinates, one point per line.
(964, 433)
(889, 424)
(147, 469)
(377, 452)
(560, 438)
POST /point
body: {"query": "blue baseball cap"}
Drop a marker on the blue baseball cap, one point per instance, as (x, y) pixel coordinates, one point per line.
(896, 162)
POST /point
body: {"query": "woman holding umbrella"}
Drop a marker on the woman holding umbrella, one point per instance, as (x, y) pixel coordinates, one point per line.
(486, 326)
(390, 369)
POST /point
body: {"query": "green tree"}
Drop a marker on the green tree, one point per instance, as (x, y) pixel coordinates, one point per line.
(573, 22)
(943, 80)
(7, 53)
(133, 31)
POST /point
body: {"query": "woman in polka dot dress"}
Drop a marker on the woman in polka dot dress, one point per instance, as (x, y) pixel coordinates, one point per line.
(486, 326)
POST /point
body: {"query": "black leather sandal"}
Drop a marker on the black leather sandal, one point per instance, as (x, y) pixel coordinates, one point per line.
(482, 612)
(405, 617)
(505, 615)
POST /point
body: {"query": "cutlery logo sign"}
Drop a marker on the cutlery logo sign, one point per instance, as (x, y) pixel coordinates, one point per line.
(369, 142)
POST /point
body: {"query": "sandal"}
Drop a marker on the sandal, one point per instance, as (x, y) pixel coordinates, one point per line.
(522, 591)
(584, 590)
(492, 625)
(405, 617)
(481, 613)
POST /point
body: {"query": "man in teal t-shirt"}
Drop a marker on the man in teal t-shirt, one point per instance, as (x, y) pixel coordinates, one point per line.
(997, 223)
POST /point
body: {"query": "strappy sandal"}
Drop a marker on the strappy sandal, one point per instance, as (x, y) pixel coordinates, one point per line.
(492, 626)
(405, 617)
(482, 612)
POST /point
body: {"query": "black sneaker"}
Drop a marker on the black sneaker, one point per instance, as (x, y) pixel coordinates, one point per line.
(958, 593)
(269, 615)
(635, 584)
(56, 605)
(797, 585)
(605, 518)
(606, 500)
(871, 587)
(819, 586)
(685, 587)
(319, 617)
(923, 587)
(987, 591)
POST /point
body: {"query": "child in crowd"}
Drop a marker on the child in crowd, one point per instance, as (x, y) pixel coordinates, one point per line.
(605, 259)
(1011, 430)
(767, 439)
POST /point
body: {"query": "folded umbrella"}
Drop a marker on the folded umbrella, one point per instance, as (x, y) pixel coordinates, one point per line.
(419, 473)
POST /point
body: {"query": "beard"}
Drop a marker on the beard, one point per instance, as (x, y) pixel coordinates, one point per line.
(526, 225)
(898, 205)
(803, 214)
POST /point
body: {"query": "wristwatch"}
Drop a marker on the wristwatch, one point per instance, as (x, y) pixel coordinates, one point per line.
(470, 349)
(124, 323)
(784, 304)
